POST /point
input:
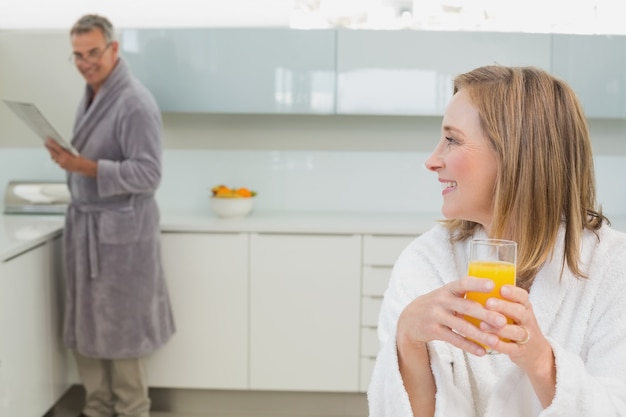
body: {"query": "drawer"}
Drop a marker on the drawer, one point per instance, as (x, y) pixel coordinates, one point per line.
(367, 367)
(370, 308)
(375, 280)
(369, 342)
(384, 250)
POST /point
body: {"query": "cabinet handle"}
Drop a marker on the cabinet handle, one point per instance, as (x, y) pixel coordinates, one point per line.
(375, 297)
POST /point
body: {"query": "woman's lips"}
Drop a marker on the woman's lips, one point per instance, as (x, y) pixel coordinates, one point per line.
(448, 186)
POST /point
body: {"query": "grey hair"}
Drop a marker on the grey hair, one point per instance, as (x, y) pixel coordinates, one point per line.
(89, 22)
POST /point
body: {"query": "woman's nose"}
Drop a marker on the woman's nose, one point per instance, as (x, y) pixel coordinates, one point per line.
(434, 162)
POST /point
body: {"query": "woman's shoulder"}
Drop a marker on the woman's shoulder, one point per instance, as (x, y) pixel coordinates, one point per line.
(605, 250)
(436, 236)
(607, 237)
(433, 246)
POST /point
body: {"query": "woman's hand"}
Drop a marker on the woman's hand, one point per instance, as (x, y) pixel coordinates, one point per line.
(526, 338)
(439, 315)
(528, 348)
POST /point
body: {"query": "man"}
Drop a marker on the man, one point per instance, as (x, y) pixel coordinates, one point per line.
(117, 308)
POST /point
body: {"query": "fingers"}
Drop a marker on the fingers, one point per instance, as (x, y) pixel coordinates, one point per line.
(521, 338)
(467, 344)
(456, 331)
(468, 337)
(56, 157)
(470, 284)
(515, 304)
(515, 294)
(58, 154)
(52, 145)
(464, 307)
(468, 315)
(512, 333)
(443, 314)
(526, 338)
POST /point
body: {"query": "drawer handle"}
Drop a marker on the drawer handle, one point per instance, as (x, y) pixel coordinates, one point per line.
(374, 297)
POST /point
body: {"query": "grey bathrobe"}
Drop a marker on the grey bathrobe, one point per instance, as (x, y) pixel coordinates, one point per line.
(117, 303)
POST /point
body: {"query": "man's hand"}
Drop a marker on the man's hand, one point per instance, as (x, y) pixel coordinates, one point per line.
(70, 162)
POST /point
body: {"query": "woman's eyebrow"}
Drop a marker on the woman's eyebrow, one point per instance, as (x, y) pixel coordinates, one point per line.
(448, 128)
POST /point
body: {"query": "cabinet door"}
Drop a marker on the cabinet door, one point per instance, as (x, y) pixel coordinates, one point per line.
(27, 378)
(595, 67)
(63, 368)
(411, 72)
(304, 312)
(207, 280)
(226, 70)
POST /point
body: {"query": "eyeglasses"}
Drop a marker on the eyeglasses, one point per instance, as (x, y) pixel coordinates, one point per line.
(92, 56)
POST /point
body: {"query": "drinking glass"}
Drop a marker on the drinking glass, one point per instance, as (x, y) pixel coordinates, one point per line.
(494, 259)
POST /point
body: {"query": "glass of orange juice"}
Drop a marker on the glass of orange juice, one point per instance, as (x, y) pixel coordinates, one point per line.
(494, 259)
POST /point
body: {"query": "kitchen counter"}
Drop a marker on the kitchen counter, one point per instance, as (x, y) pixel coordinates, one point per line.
(302, 222)
(19, 233)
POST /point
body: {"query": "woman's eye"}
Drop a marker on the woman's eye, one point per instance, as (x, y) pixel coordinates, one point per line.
(451, 141)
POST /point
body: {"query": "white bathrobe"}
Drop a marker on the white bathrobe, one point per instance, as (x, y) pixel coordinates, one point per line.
(583, 319)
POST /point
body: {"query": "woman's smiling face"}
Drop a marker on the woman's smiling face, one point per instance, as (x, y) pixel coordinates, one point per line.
(466, 164)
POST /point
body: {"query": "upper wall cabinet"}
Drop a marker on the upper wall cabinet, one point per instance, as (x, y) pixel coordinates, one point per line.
(227, 70)
(411, 72)
(344, 71)
(595, 67)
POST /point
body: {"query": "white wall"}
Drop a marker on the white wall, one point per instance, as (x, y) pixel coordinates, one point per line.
(349, 163)
(61, 14)
(34, 66)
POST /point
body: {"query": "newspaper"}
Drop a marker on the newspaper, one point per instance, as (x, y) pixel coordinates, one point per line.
(30, 114)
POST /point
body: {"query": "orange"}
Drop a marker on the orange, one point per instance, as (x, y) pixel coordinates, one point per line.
(221, 190)
(243, 192)
(224, 193)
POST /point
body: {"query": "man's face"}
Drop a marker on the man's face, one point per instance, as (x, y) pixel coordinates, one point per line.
(94, 57)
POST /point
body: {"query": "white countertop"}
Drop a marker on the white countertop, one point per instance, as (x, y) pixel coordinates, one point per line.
(21, 232)
(18, 233)
(302, 222)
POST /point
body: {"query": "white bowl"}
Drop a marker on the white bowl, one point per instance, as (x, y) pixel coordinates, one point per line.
(232, 207)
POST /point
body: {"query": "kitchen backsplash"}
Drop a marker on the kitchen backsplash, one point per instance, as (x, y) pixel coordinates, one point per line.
(303, 180)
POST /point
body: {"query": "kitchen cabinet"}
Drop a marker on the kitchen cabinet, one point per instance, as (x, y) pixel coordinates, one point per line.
(304, 312)
(273, 311)
(380, 253)
(595, 67)
(411, 72)
(207, 278)
(356, 72)
(34, 365)
(231, 70)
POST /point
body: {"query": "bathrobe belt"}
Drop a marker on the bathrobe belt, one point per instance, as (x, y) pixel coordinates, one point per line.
(89, 209)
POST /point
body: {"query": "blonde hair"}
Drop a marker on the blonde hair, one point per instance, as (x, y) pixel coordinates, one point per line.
(537, 127)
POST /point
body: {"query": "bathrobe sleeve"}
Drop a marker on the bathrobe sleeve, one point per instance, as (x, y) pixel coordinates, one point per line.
(414, 274)
(593, 382)
(139, 135)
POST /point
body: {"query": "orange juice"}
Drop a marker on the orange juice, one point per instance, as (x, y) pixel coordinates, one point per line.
(501, 273)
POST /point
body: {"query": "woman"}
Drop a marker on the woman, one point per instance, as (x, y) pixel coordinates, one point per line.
(515, 163)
